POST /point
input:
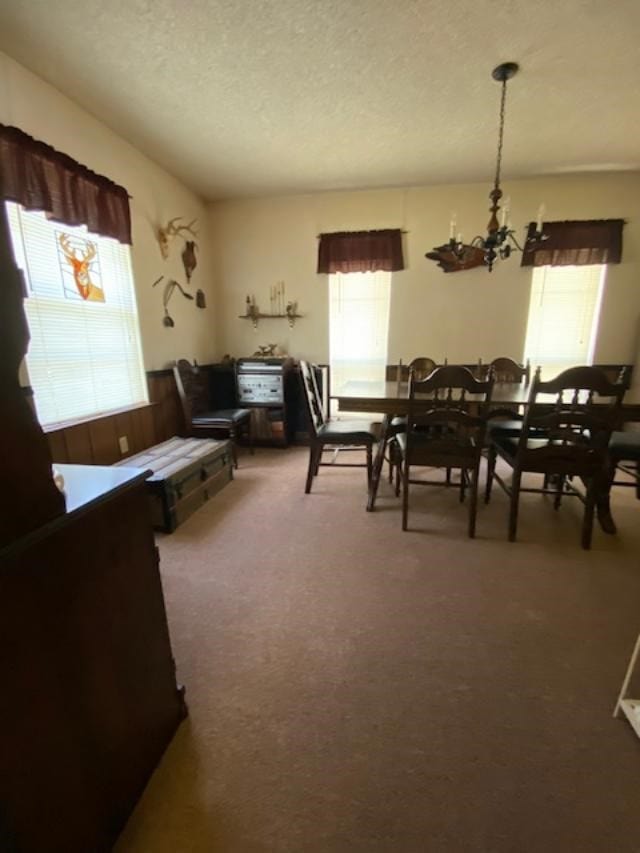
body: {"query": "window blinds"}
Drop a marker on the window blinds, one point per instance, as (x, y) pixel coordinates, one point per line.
(563, 316)
(358, 325)
(84, 357)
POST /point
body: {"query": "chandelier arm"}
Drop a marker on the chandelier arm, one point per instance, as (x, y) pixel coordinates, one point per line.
(512, 237)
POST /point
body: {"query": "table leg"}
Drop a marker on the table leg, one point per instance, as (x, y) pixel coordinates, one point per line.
(378, 463)
(603, 503)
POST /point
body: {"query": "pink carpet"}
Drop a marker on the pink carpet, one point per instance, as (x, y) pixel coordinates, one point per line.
(356, 688)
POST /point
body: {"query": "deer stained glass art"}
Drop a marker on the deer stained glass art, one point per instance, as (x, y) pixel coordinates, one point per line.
(80, 268)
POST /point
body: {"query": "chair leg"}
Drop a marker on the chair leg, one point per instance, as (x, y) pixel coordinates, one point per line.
(398, 474)
(491, 467)
(314, 452)
(473, 500)
(463, 483)
(234, 449)
(589, 509)
(513, 506)
(405, 494)
(638, 480)
(250, 436)
(557, 500)
(369, 465)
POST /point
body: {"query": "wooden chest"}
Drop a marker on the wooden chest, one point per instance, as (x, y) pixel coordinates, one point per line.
(186, 473)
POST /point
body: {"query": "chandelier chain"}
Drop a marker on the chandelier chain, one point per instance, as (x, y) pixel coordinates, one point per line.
(500, 134)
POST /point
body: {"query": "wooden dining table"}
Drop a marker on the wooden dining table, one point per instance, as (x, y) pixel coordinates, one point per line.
(391, 399)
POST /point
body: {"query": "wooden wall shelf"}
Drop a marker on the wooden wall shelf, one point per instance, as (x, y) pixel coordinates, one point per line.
(256, 317)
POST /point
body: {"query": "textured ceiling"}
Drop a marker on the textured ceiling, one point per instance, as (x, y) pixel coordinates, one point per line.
(264, 97)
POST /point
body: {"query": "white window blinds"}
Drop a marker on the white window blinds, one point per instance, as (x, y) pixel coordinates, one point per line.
(358, 325)
(84, 357)
(563, 316)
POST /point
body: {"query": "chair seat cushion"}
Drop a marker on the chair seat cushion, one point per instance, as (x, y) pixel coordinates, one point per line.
(221, 417)
(504, 427)
(439, 442)
(625, 445)
(343, 432)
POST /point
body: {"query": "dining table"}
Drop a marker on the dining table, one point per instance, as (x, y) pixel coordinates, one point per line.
(508, 399)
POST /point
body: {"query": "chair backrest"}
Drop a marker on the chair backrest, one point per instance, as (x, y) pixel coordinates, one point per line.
(193, 389)
(448, 410)
(505, 369)
(315, 417)
(569, 430)
(422, 367)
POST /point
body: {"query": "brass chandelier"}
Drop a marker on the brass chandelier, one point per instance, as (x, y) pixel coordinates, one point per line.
(500, 239)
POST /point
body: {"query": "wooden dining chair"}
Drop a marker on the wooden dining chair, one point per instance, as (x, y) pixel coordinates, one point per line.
(448, 435)
(563, 437)
(329, 433)
(199, 417)
(420, 367)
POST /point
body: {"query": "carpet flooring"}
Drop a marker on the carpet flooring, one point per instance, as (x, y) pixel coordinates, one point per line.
(356, 688)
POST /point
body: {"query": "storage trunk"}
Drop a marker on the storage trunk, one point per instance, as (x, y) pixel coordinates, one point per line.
(186, 473)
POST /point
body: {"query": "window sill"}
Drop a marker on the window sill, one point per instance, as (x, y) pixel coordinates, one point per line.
(79, 421)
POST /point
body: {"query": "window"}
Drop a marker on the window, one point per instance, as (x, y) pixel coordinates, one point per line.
(563, 316)
(84, 357)
(358, 325)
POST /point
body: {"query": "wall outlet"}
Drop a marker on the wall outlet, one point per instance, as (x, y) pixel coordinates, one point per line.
(124, 444)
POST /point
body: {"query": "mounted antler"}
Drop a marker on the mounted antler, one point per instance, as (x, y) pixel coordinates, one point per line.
(172, 230)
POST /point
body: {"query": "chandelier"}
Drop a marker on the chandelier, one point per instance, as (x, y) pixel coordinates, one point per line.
(500, 238)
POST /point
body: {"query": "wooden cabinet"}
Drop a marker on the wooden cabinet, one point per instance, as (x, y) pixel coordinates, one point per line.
(89, 699)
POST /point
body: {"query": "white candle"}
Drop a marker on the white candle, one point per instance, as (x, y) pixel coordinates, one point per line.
(505, 212)
(459, 240)
(452, 226)
(541, 212)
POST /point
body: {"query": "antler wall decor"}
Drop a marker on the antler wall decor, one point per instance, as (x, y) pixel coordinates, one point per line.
(165, 233)
(169, 287)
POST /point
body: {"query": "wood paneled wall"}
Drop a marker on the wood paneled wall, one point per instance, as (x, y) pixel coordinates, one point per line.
(96, 441)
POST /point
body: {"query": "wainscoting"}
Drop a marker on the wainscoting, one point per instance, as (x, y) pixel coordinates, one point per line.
(96, 441)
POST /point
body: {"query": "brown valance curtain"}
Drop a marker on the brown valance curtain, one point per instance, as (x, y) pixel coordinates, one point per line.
(361, 251)
(38, 177)
(596, 241)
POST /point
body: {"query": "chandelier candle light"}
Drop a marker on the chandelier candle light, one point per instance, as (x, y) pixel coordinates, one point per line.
(500, 238)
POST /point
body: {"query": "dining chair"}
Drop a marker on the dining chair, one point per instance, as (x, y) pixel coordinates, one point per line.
(507, 370)
(562, 437)
(200, 420)
(422, 366)
(332, 433)
(449, 434)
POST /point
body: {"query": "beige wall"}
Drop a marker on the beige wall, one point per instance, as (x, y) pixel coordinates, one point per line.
(29, 103)
(462, 316)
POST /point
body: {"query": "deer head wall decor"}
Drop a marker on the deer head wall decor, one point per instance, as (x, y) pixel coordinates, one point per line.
(165, 234)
